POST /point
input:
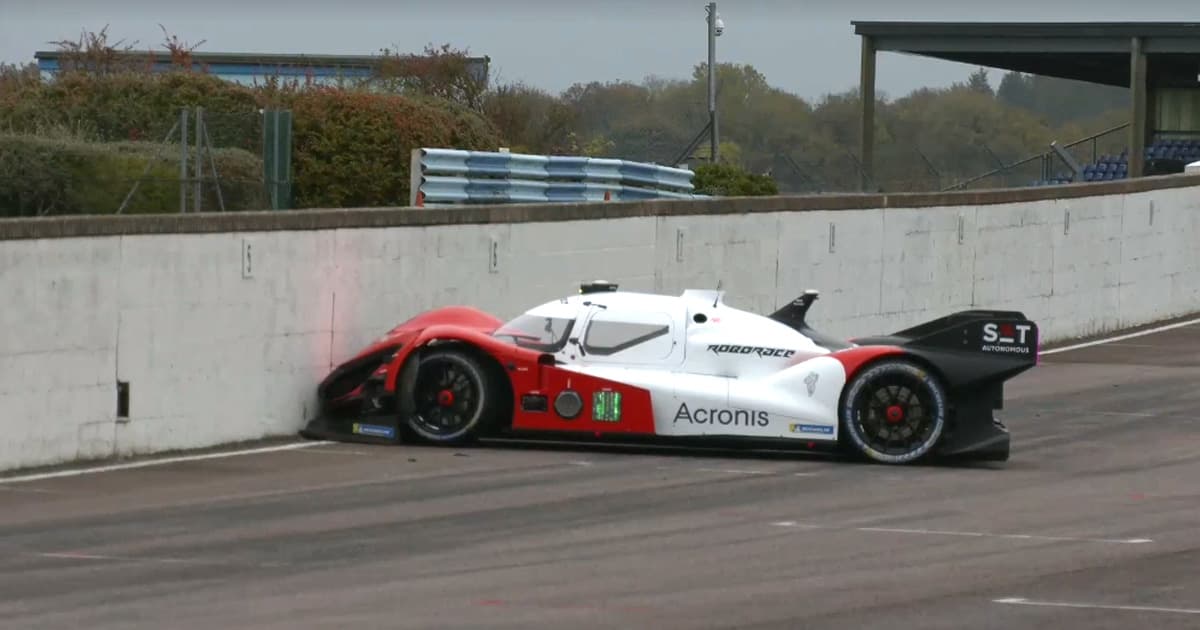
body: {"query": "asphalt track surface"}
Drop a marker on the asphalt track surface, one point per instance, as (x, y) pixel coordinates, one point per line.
(1094, 523)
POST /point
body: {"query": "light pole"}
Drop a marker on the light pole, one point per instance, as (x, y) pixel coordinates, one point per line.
(715, 28)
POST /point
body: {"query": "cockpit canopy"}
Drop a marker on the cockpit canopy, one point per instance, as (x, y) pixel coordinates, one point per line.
(543, 333)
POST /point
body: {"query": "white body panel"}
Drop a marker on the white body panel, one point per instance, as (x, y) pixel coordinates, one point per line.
(712, 370)
(774, 407)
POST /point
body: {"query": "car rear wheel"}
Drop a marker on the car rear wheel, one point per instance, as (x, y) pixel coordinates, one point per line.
(894, 412)
(452, 397)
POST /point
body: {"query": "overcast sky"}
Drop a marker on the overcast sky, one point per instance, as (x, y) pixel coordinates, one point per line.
(804, 46)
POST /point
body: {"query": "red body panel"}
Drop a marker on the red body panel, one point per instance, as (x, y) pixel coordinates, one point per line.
(529, 376)
(461, 316)
(637, 414)
(854, 358)
(506, 353)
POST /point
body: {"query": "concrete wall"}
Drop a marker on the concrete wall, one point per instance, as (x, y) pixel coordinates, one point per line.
(222, 326)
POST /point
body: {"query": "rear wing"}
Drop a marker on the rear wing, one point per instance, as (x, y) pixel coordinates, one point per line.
(1007, 333)
(1002, 333)
(971, 345)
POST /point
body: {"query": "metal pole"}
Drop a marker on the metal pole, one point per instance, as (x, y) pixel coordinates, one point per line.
(149, 164)
(712, 80)
(690, 147)
(183, 159)
(212, 163)
(276, 180)
(199, 162)
(1137, 128)
(867, 123)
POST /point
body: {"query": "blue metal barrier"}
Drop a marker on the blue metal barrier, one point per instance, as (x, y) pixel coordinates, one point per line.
(453, 177)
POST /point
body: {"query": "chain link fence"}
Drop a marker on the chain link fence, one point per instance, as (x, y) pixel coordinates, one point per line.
(195, 161)
(207, 161)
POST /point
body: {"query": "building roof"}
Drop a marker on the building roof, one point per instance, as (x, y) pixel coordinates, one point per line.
(259, 63)
(1097, 52)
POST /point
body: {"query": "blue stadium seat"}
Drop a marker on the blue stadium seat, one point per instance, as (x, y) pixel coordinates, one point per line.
(1112, 167)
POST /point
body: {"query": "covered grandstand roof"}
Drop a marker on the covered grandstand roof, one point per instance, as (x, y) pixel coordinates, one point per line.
(1146, 57)
(1097, 52)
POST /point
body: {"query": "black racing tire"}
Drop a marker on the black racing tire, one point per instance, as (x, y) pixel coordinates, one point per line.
(894, 412)
(453, 398)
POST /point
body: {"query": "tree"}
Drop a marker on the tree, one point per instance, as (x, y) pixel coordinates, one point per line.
(92, 53)
(1061, 101)
(978, 81)
(440, 72)
(1016, 89)
(530, 120)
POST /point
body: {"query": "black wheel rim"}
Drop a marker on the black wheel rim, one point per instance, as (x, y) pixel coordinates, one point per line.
(447, 397)
(895, 415)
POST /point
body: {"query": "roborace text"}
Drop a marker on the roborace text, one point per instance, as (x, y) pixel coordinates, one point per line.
(736, 417)
(758, 350)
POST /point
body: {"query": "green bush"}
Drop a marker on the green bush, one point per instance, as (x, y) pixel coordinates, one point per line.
(133, 106)
(353, 148)
(56, 176)
(727, 180)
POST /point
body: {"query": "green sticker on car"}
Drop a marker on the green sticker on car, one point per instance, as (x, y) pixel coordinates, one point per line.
(606, 406)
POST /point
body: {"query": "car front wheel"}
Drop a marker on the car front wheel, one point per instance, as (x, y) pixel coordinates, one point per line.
(451, 398)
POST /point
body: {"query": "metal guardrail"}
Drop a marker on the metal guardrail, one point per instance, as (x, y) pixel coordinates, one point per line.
(454, 177)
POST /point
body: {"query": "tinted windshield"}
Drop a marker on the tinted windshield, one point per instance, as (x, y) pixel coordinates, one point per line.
(537, 332)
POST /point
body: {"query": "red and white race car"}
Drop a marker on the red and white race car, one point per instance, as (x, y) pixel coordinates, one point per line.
(608, 364)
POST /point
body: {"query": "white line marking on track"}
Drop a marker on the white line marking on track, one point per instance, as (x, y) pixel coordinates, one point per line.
(160, 462)
(91, 556)
(1131, 414)
(330, 451)
(937, 532)
(28, 490)
(734, 471)
(1141, 333)
(1115, 414)
(64, 555)
(1021, 601)
(740, 471)
(1028, 442)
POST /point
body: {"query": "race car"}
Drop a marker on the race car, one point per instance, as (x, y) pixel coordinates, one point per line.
(610, 364)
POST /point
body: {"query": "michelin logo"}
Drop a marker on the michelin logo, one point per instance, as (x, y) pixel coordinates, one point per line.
(810, 428)
(374, 430)
(735, 417)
